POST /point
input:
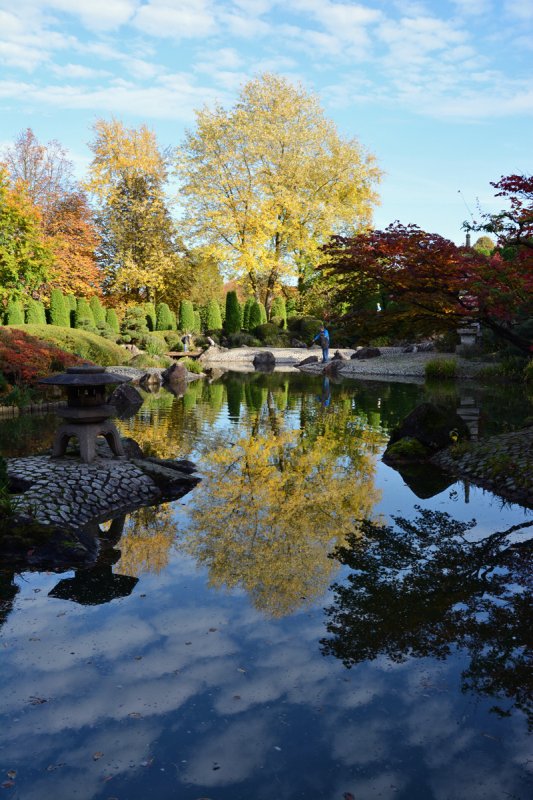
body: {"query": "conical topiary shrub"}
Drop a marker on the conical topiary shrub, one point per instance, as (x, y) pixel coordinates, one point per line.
(246, 314)
(151, 316)
(14, 313)
(255, 316)
(59, 311)
(98, 310)
(214, 318)
(112, 320)
(233, 321)
(279, 312)
(35, 313)
(165, 319)
(83, 316)
(186, 321)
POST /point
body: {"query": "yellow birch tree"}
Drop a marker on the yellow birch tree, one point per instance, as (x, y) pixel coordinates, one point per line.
(267, 182)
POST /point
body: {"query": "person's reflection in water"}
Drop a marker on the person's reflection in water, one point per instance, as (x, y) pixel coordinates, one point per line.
(325, 398)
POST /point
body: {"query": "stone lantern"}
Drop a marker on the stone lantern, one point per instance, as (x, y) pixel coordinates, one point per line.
(86, 415)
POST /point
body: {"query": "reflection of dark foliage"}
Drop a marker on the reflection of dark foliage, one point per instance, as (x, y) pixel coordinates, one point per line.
(422, 588)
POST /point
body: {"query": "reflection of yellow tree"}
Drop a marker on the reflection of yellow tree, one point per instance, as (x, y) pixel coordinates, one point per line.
(270, 510)
(146, 541)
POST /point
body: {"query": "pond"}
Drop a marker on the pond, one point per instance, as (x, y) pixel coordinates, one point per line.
(257, 640)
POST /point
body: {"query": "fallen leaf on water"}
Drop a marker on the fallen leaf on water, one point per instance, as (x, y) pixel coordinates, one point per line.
(7, 785)
(239, 669)
(348, 796)
(52, 767)
(147, 763)
(96, 756)
(212, 630)
(37, 701)
(12, 773)
(135, 715)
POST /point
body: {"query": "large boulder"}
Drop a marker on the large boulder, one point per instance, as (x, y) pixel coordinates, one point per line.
(264, 361)
(427, 429)
(126, 399)
(176, 373)
(366, 352)
(298, 343)
(338, 356)
(308, 360)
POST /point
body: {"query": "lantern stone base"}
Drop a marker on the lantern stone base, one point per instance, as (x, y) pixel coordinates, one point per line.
(86, 434)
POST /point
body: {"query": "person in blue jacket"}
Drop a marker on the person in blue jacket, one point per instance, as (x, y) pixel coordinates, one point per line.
(323, 337)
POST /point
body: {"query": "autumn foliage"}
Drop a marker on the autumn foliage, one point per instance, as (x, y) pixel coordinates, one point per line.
(427, 283)
(24, 359)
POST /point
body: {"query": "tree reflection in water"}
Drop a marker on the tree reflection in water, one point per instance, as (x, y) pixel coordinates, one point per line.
(423, 588)
(271, 507)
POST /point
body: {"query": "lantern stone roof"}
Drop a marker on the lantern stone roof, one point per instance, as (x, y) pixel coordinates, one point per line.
(85, 375)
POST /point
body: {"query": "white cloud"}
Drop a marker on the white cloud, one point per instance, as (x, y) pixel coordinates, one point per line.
(78, 71)
(473, 7)
(520, 9)
(181, 19)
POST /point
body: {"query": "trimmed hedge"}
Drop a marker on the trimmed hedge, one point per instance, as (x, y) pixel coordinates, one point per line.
(85, 344)
(233, 321)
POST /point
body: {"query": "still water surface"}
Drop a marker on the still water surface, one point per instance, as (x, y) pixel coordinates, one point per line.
(219, 651)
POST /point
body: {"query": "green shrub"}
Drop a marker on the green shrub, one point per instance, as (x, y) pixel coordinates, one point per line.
(151, 316)
(243, 340)
(262, 311)
(246, 313)
(279, 311)
(213, 318)
(35, 313)
(173, 340)
(85, 344)
(59, 312)
(267, 329)
(197, 322)
(305, 326)
(186, 320)
(97, 309)
(153, 345)
(165, 319)
(441, 369)
(255, 317)
(14, 313)
(112, 320)
(192, 366)
(145, 360)
(83, 315)
(233, 321)
(134, 324)
(528, 372)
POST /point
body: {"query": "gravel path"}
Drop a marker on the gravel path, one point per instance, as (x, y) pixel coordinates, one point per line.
(392, 363)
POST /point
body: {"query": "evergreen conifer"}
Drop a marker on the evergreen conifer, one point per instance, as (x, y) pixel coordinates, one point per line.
(35, 313)
(246, 314)
(279, 311)
(255, 316)
(14, 313)
(112, 320)
(186, 322)
(83, 316)
(98, 310)
(59, 313)
(214, 318)
(233, 321)
(165, 320)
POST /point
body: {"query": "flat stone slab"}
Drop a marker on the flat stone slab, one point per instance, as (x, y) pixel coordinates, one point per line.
(66, 491)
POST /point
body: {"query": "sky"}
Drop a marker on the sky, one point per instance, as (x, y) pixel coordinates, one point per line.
(440, 92)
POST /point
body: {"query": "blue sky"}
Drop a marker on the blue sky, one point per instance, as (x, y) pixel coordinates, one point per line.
(441, 92)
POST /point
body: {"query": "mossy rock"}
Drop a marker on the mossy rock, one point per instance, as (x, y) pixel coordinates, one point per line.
(433, 425)
(407, 449)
